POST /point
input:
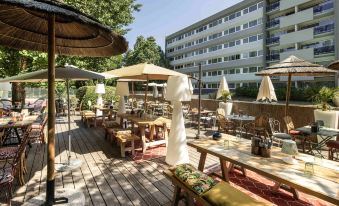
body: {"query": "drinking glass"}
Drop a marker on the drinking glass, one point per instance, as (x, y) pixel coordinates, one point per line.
(318, 159)
(226, 144)
(309, 169)
(238, 137)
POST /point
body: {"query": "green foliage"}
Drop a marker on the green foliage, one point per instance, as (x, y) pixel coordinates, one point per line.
(9, 62)
(87, 93)
(226, 95)
(146, 51)
(325, 96)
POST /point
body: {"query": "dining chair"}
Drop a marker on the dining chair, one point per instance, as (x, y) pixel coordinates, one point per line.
(258, 127)
(225, 125)
(277, 135)
(37, 133)
(296, 135)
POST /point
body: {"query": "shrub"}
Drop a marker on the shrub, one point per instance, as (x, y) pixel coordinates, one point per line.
(87, 93)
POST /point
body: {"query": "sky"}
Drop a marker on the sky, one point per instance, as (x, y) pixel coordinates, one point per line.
(159, 18)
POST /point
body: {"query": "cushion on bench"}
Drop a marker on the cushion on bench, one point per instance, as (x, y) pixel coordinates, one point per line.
(194, 179)
(223, 194)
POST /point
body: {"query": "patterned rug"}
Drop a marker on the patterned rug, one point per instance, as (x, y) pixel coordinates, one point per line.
(253, 184)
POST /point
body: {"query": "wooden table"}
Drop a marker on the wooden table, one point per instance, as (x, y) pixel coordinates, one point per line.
(324, 184)
(143, 123)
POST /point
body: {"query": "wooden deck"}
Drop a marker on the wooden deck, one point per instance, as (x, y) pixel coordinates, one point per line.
(104, 178)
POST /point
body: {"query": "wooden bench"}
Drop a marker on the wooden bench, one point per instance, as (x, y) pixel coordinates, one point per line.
(233, 195)
(123, 138)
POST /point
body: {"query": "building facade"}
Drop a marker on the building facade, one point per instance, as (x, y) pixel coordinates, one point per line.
(253, 34)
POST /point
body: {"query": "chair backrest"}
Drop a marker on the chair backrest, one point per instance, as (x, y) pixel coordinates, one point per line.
(221, 111)
(289, 123)
(274, 125)
(261, 121)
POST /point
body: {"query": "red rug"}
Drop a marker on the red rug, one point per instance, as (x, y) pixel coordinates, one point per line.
(151, 153)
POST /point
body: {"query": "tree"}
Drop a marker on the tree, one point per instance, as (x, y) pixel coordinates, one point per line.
(146, 50)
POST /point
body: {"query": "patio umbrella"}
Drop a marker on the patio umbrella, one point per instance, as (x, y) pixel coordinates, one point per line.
(146, 72)
(335, 66)
(266, 90)
(223, 86)
(294, 66)
(179, 89)
(55, 28)
(66, 73)
(155, 92)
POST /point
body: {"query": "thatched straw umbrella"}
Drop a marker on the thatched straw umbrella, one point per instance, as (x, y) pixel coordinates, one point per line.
(53, 27)
(294, 66)
(335, 66)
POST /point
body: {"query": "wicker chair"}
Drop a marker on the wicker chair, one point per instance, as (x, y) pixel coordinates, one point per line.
(11, 158)
(258, 127)
(37, 132)
(225, 125)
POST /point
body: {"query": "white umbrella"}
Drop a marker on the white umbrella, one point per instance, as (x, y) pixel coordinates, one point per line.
(155, 92)
(222, 87)
(66, 73)
(179, 89)
(122, 90)
(266, 90)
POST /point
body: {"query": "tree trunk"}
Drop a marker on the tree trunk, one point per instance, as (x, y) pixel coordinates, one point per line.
(18, 93)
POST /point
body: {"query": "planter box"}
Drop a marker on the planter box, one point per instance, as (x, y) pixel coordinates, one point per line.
(227, 107)
(330, 118)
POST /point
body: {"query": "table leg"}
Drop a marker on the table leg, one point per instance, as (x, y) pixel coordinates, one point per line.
(292, 190)
(143, 138)
(202, 160)
(152, 129)
(224, 170)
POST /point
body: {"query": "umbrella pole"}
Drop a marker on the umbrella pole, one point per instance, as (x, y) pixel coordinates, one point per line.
(199, 102)
(288, 93)
(50, 189)
(145, 104)
(69, 122)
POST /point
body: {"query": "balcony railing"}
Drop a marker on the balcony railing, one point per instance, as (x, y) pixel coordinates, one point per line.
(323, 29)
(273, 7)
(323, 8)
(323, 50)
(273, 23)
(273, 40)
(273, 57)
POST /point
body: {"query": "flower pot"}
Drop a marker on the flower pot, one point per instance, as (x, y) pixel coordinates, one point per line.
(227, 106)
(330, 117)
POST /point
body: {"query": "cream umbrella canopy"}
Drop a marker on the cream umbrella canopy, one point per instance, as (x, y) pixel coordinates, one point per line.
(266, 90)
(55, 28)
(335, 66)
(294, 66)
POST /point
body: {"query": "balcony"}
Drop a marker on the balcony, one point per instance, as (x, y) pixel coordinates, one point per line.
(273, 7)
(323, 8)
(324, 29)
(273, 57)
(273, 40)
(273, 23)
(324, 50)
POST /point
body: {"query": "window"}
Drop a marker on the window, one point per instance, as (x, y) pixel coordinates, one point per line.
(260, 21)
(219, 72)
(245, 11)
(225, 45)
(260, 52)
(215, 23)
(253, 54)
(238, 14)
(204, 74)
(260, 36)
(232, 16)
(260, 5)
(245, 26)
(245, 70)
(231, 85)
(231, 44)
(238, 28)
(253, 69)
(260, 69)
(253, 23)
(231, 30)
(203, 28)
(238, 42)
(226, 59)
(237, 71)
(226, 32)
(253, 84)
(252, 38)
(231, 71)
(245, 41)
(252, 8)
(226, 19)
(215, 48)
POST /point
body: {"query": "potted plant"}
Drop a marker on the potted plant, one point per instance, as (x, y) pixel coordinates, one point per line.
(226, 103)
(324, 97)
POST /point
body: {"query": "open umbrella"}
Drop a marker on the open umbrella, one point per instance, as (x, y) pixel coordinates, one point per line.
(144, 71)
(266, 90)
(294, 66)
(66, 73)
(55, 28)
(335, 66)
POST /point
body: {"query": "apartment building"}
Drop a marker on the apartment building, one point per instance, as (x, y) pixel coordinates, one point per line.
(245, 38)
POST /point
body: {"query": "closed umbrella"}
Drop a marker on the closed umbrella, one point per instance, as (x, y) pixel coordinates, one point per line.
(223, 86)
(294, 66)
(66, 73)
(55, 28)
(266, 90)
(155, 92)
(179, 89)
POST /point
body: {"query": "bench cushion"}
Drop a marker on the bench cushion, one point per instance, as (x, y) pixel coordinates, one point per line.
(194, 179)
(223, 194)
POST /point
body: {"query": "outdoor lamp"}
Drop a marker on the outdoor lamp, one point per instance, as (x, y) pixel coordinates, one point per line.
(100, 90)
(289, 147)
(179, 89)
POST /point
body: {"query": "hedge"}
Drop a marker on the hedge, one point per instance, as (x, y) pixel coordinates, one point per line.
(87, 93)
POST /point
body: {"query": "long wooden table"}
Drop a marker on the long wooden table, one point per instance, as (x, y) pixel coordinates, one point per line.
(143, 123)
(324, 184)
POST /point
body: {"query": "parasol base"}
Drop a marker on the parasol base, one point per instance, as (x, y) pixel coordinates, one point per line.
(69, 166)
(70, 197)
